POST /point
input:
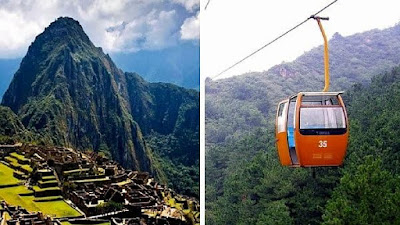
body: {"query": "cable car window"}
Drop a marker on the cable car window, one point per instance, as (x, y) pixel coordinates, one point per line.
(291, 123)
(281, 107)
(320, 100)
(322, 120)
(282, 117)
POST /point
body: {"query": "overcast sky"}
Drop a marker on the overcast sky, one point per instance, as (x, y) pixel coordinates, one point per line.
(114, 25)
(232, 29)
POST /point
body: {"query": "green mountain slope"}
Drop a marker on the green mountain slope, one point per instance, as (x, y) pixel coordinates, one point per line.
(11, 128)
(166, 109)
(169, 117)
(246, 184)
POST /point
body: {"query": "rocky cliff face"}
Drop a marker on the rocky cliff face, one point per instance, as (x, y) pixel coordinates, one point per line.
(167, 111)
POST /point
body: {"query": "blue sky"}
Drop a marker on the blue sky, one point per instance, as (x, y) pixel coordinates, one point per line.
(118, 26)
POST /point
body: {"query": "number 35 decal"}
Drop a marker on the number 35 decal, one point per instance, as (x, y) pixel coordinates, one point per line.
(323, 144)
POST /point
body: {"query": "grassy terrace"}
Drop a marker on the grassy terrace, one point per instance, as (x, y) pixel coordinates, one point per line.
(70, 172)
(6, 175)
(49, 198)
(27, 168)
(47, 178)
(11, 159)
(92, 180)
(38, 189)
(172, 202)
(19, 157)
(57, 208)
(14, 162)
(48, 182)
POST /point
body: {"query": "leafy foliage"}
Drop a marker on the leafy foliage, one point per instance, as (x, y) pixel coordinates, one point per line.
(11, 128)
(369, 195)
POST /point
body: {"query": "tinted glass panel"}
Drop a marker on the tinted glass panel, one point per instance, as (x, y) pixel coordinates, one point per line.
(320, 100)
(291, 123)
(282, 117)
(292, 108)
(322, 118)
(280, 111)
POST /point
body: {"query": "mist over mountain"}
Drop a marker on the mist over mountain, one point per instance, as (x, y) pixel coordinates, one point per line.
(68, 92)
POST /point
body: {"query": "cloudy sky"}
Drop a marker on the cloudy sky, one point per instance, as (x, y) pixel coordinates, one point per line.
(115, 25)
(230, 30)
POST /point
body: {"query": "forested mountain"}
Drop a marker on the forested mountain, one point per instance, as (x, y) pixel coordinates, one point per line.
(68, 92)
(169, 117)
(245, 184)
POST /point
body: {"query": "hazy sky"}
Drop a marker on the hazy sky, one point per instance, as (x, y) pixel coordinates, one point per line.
(114, 25)
(232, 29)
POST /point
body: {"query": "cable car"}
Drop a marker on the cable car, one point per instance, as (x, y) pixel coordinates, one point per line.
(312, 130)
(312, 127)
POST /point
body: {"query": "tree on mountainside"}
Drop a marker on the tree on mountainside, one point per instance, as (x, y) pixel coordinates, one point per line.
(369, 195)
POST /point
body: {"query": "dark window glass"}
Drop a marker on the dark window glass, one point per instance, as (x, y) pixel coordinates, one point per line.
(322, 118)
(320, 100)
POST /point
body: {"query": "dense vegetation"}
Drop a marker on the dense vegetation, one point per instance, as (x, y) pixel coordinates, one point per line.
(245, 183)
(11, 128)
(68, 92)
(169, 118)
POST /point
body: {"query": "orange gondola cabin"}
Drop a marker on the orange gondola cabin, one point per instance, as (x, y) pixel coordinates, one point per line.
(312, 127)
(312, 130)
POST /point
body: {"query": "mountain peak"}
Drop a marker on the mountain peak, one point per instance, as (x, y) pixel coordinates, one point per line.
(65, 32)
(66, 26)
(66, 21)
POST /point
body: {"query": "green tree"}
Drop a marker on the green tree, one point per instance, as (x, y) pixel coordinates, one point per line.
(276, 213)
(368, 195)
